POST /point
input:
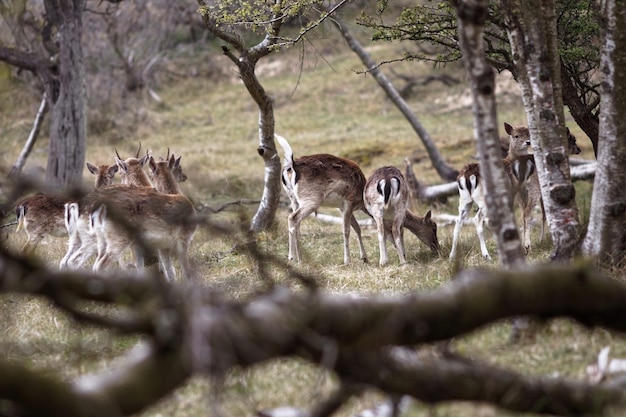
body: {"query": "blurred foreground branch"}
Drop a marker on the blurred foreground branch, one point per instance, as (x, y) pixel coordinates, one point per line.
(189, 330)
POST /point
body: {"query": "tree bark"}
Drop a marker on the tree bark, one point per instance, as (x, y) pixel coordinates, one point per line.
(67, 97)
(532, 32)
(445, 171)
(606, 233)
(246, 61)
(499, 198)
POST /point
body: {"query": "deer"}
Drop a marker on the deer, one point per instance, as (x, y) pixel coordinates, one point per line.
(424, 228)
(41, 215)
(82, 243)
(144, 217)
(518, 166)
(313, 180)
(166, 174)
(386, 198)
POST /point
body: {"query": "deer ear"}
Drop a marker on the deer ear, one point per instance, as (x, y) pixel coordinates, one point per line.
(508, 128)
(121, 164)
(152, 164)
(113, 169)
(427, 217)
(92, 168)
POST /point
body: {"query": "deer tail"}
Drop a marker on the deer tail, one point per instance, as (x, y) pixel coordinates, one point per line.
(20, 213)
(288, 160)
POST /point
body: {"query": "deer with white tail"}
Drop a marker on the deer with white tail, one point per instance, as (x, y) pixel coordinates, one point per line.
(386, 198)
(313, 180)
(523, 183)
(41, 215)
(518, 167)
(142, 218)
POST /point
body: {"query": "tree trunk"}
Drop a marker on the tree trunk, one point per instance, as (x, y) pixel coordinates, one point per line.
(66, 156)
(606, 233)
(532, 32)
(246, 62)
(266, 213)
(445, 171)
(471, 19)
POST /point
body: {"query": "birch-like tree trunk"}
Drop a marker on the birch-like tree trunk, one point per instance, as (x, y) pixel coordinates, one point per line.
(531, 25)
(246, 60)
(606, 233)
(471, 20)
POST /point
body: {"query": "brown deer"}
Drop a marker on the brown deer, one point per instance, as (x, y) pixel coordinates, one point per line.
(142, 217)
(313, 180)
(423, 227)
(518, 166)
(167, 173)
(386, 198)
(82, 243)
(41, 215)
(115, 234)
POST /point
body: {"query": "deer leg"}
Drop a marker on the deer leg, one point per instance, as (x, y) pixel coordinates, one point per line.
(382, 245)
(357, 229)
(347, 214)
(293, 222)
(465, 205)
(183, 258)
(397, 233)
(479, 221)
(31, 243)
(165, 258)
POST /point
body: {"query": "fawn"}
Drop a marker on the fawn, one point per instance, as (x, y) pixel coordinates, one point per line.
(386, 197)
(518, 166)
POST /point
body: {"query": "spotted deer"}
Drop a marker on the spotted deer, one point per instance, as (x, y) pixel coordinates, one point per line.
(144, 218)
(313, 180)
(41, 215)
(518, 166)
(386, 198)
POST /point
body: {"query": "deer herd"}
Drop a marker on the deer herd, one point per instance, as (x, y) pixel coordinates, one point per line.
(148, 211)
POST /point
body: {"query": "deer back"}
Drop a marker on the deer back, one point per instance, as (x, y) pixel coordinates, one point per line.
(324, 176)
(41, 214)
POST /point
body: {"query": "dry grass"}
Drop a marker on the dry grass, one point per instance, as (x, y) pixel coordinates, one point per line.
(326, 108)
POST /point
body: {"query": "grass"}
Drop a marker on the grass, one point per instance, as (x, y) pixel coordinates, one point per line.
(328, 107)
